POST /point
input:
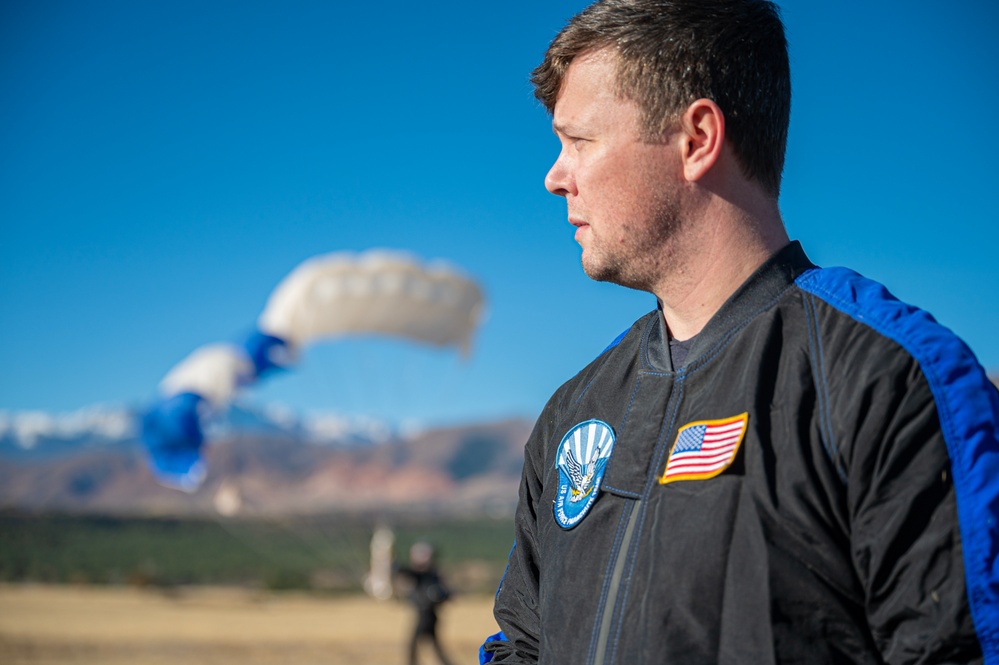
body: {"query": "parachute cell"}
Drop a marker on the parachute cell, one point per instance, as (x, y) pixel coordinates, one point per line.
(172, 433)
(214, 372)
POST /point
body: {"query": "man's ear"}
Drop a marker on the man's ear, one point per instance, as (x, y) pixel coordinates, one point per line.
(703, 132)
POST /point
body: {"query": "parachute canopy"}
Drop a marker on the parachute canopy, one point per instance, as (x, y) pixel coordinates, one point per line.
(375, 293)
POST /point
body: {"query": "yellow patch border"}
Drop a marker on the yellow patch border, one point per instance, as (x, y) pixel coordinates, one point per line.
(744, 417)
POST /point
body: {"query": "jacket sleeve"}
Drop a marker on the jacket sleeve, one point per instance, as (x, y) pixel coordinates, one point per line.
(906, 541)
(516, 609)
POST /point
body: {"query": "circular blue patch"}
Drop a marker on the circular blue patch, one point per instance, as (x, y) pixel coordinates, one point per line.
(582, 460)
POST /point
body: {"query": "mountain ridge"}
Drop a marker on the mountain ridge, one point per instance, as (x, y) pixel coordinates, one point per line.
(267, 468)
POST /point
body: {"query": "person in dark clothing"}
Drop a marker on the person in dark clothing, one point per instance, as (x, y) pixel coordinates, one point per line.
(781, 463)
(426, 592)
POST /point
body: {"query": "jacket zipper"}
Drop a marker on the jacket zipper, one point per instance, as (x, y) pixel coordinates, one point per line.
(607, 617)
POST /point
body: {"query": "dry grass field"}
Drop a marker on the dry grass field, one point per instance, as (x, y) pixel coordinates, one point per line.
(119, 626)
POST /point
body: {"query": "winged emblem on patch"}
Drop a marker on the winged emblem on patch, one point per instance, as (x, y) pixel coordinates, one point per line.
(581, 475)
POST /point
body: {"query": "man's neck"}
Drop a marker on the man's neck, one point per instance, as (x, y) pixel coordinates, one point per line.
(725, 247)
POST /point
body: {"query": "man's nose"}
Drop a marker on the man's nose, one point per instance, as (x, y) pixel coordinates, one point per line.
(559, 180)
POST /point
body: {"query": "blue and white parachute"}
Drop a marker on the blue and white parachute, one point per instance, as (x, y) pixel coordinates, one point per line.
(329, 296)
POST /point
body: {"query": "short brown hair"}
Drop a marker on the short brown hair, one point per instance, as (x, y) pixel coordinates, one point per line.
(673, 52)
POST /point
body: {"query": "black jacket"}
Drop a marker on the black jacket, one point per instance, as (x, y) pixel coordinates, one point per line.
(819, 483)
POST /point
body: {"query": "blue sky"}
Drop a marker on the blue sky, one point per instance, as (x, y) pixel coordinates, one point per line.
(164, 164)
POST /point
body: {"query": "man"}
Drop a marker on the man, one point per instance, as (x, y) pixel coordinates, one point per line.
(426, 591)
(782, 464)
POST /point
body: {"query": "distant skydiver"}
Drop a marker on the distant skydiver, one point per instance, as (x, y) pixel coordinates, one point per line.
(426, 592)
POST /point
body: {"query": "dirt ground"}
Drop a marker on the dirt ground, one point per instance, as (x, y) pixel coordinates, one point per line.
(115, 626)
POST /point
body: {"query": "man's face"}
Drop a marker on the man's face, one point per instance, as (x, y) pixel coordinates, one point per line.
(622, 193)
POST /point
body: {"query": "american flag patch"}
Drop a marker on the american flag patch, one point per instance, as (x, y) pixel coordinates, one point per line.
(704, 449)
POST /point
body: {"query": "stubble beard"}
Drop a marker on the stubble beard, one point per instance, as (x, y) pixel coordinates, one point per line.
(644, 261)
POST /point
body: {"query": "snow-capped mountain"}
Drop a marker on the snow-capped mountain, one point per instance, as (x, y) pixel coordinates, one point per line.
(274, 460)
(26, 429)
(39, 433)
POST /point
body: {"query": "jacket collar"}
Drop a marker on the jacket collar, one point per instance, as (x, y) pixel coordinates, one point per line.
(755, 295)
